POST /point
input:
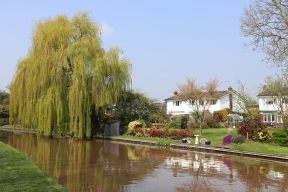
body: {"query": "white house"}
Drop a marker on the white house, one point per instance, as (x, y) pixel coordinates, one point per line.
(269, 108)
(221, 100)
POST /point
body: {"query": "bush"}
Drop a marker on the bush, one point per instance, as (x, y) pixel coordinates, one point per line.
(179, 121)
(253, 125)
(285, 121)
(221, 115)
(238, 139)
(280, 137)
(135, 124)
(163, 133)
(212, 123)
(4, 121)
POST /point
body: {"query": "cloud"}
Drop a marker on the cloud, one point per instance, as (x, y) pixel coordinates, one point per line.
(106, 30)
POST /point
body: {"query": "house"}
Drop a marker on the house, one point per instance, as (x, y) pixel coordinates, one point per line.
(269, 107)
(220, 100)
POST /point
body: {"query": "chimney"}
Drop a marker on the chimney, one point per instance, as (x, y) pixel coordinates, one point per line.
(230, 91)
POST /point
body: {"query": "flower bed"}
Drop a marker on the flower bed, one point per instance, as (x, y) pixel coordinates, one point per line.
(162, 133)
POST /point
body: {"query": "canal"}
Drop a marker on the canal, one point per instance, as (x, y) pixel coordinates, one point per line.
(100, 165)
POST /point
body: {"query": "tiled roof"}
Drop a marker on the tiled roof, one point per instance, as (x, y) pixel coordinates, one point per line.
(266, 93)
(216, 95)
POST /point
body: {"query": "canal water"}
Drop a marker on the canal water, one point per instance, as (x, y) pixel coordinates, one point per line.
(100, 165)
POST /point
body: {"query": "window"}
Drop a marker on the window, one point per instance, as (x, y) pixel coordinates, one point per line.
(273, 118)
(279, 119)
(201, 102)
(176, 103)
(269, 102)
(192, 102)
(213, 102)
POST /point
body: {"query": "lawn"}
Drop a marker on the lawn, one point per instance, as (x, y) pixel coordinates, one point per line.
(266, 148)
(215, 135)
(18, 173)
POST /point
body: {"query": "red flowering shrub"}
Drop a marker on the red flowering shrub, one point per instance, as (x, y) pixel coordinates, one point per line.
(254, 125)
(163, 133)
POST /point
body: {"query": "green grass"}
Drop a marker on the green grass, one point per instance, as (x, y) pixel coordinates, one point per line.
(215, 135)
(265, 148)
(18, 173)
(154, 139)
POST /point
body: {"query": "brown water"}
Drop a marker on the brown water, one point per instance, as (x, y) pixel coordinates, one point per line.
(110, 166)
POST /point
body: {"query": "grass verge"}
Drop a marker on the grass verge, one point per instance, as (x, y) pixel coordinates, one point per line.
(215, 135)
(18, 173)
(265, 148)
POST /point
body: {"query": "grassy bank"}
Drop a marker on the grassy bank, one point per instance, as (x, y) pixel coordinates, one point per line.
(18, 173)
(215, 135)
(265, 148)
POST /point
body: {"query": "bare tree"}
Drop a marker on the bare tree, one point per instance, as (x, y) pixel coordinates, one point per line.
(266, 22)
(199, 97)
(278, 88)
(244, 98)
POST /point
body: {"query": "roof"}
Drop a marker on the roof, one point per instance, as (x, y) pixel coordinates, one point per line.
(268, 93)
(217, 95)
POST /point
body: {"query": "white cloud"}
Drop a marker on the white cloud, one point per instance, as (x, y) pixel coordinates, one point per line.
(105, 29)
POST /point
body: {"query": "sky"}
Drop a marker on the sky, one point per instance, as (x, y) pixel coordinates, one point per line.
(167, 42)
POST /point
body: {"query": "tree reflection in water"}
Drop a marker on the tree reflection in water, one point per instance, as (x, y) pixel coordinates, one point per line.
(110, 166)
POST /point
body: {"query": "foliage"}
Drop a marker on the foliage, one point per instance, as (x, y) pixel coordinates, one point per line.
(163, 133)
(134, 105)
(221, 115)
(239, 139)
(4, 121)
(179, 121)
(265, 22)
(66, 78)
(199, 97)
(4, 104)
(136, 124)
(285, 121)
(280, 137)
(253, 125)
(212, 123)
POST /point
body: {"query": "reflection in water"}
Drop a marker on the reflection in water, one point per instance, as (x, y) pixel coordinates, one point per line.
(109, 166)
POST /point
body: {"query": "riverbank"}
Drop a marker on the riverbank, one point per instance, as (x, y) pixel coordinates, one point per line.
(231, 150)
(249, 149)
(18, 173)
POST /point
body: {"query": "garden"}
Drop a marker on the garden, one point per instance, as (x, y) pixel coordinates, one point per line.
(251, 134)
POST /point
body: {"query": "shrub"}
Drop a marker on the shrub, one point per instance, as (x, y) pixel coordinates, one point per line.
(253, 125)
(135, 124)
(4, 121)
(163, 133)
(212, 123)
(221, 115)
(280, 137)
(238, 139)
(285, 121)
(179, 121)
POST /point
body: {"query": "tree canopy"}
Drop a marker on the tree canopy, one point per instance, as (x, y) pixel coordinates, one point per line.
(266, 22)
(65, 76)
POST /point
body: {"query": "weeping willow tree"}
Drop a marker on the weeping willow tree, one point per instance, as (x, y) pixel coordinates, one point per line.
(65, 76)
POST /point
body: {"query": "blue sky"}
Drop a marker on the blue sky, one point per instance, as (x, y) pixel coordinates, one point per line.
(166, 41)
